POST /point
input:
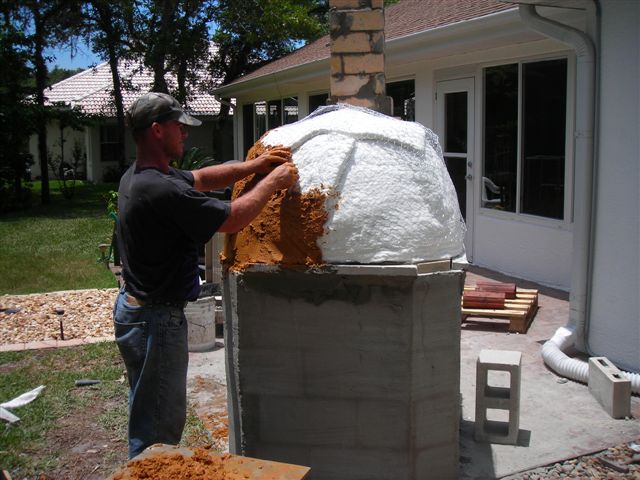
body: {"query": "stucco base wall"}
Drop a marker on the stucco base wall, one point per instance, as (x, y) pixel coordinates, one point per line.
(352, 371)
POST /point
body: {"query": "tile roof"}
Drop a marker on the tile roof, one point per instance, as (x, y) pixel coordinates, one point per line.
(401, 19)
(91, 90)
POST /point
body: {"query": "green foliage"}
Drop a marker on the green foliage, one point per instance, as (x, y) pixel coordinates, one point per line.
(55, 247)
(57, 74)
(193, 159)
(253, 32)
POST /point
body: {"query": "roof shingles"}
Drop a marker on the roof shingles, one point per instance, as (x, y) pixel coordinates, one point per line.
(401, 19)
(91, 90)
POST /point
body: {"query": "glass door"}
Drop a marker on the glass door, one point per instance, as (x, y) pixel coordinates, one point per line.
(454, 126)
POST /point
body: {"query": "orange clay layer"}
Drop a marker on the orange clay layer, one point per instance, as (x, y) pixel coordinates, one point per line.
(285, 232)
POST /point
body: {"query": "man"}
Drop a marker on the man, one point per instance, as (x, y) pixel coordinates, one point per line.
(163, 219)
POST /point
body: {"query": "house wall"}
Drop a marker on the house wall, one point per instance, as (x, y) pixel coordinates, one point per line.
(69, 139)
(614, 328)
(213, 140)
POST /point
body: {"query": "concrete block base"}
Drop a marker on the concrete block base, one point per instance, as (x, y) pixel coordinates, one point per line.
(610, 387)
(353, 371)
(498, 397)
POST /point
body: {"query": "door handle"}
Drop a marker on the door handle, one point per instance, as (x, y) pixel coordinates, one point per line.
(469, 176)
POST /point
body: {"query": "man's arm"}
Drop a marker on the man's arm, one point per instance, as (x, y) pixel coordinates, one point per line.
(220, 176)
(245, 208)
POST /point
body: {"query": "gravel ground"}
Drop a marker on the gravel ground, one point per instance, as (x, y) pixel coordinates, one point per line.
(87, 313)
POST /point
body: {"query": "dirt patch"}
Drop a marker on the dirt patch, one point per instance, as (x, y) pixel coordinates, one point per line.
(86, 450)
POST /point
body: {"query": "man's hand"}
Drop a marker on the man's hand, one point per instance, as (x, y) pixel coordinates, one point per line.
(284, 176)
(270, 159)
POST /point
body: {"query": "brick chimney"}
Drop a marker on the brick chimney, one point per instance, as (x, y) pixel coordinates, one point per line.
(357, 54)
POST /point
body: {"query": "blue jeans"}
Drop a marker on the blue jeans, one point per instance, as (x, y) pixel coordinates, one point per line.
(153, 343)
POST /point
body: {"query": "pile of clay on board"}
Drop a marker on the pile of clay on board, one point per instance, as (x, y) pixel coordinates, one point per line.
(372, 190)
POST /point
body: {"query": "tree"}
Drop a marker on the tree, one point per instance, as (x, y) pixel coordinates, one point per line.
(16, 111)
(106, 24)
(170, 36)
(46, 23)
(58, 74)
(251, 33)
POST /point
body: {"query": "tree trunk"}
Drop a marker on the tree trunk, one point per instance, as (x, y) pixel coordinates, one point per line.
(41, 83)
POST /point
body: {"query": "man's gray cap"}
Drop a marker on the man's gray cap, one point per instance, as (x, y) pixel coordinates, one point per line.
(157, 107)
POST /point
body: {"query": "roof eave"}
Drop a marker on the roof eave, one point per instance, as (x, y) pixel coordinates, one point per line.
(492, 29)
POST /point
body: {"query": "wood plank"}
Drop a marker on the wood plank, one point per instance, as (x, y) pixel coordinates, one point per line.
(235, 465)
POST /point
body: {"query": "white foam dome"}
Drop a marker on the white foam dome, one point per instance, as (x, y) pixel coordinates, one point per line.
(396, 202)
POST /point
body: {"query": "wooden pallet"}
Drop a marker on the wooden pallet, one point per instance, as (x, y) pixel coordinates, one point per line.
(518, 311)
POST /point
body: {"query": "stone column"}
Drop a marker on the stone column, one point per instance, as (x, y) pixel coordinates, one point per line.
(357, 54)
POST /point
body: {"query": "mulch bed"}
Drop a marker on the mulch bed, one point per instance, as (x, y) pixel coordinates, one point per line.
(77, 314)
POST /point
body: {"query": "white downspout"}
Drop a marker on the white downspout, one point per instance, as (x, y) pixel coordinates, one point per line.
(553, 350)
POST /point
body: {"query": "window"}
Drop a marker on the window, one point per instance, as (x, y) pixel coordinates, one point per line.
(404, 99)
(259, 117)
(316, 101)
(110, 147)
(524, 138)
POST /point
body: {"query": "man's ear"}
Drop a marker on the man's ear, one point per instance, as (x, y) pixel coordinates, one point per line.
(156, 129)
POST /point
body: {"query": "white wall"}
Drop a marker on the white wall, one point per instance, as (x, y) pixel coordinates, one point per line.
(529, 250)
(614, 328)
(70, 137)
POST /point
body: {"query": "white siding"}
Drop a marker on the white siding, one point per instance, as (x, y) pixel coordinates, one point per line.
(615, 319)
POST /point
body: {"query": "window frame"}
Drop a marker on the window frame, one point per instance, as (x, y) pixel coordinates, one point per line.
(518, 215)
(111, 144)
(266, 104)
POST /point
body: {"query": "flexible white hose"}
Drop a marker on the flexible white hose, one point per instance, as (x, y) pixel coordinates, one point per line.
(555, 358)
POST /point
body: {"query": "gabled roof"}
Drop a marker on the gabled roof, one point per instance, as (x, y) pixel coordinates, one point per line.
(91, 90)
(401, 19)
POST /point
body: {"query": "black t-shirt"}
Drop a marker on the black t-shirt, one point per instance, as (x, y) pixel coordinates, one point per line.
(162, 223)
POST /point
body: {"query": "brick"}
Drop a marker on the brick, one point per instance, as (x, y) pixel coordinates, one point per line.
(610, 387)
(345, 4)
(363, 63)
(336, 65)
(377, 3)
(367, 20)
(358, 102)
(352, 43)
(348, 85)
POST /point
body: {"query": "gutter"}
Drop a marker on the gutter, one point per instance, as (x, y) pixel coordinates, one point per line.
(576, 331)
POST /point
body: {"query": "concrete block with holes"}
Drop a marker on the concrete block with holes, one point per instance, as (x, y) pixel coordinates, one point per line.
(610, 387)
(498, 397)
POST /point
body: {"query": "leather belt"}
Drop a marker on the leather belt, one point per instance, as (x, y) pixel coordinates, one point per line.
(131, 300)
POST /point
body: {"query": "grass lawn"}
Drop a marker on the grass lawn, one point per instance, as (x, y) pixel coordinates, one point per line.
(55, 247)
(64, 415)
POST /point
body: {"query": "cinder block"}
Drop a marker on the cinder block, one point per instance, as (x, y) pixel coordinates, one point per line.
(307, 422)
(498, 397)
(610, 387)
(397, 416)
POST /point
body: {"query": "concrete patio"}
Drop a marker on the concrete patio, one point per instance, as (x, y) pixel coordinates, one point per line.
(559, 419)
